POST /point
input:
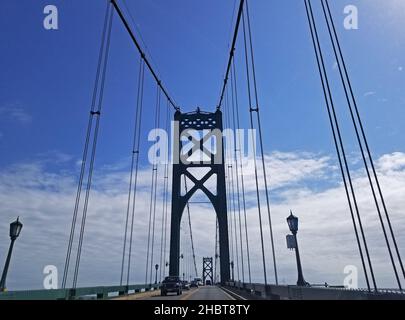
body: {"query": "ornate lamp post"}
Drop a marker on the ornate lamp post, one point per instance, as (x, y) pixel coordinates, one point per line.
(293, 225)
(15, 229)
(232, 268)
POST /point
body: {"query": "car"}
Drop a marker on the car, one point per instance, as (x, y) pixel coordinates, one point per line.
(194, 284)
(185, 285)
(171, 284)
(208, 282)
(199, 281)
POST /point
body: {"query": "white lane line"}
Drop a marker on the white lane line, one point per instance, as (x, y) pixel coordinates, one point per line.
(237, 295)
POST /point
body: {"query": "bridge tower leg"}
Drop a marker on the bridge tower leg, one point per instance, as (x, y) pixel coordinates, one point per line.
(209, 126)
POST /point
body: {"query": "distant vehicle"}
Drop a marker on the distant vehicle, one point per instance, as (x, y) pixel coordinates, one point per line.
(185, 285)
(208, 282)
(171, 284)
(194, 284)
(199, 281)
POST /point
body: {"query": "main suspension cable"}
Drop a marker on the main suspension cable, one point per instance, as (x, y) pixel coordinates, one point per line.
(143, 55)
(231, 53)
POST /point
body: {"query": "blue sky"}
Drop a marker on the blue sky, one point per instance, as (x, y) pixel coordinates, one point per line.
(46, 80)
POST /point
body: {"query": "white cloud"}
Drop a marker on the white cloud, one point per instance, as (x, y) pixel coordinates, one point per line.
(15, 112)
(304, 182)
(369, 93)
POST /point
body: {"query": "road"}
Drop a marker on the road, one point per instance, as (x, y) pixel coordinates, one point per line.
(201, 293)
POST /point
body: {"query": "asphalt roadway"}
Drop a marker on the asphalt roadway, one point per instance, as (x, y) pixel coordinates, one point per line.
(200, 293)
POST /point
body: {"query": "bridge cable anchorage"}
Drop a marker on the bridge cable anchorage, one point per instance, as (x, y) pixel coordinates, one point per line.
(153, 195)
(261, 143)
(133, 181)
(254, 148)
(236, 167)
(191, 231)
(85, 151)
(231, 53)
(339, 143)
(143, 55)
(348, 88)
(239, 150)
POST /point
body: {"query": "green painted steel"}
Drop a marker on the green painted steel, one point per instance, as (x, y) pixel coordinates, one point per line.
(75, 294)
(286, 292)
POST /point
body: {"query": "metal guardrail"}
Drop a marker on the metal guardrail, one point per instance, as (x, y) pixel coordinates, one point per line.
(286, 292)
(76, 294)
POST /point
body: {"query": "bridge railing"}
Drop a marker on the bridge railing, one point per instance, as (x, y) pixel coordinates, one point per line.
(101, 292)
(289, 292)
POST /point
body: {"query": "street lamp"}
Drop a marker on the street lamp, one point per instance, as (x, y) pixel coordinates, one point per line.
(232, 265)
(293, 225)
(156, 268)
(15, 229)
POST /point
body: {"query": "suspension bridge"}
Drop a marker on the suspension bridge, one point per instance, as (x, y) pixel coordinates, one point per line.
(207, 158)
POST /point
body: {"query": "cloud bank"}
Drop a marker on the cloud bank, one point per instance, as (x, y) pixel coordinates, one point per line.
(307, 183)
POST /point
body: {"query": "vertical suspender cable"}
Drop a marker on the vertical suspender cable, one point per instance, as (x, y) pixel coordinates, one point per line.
(239, 147)
(237, 174)
(152, 200)
(254, 148)
(231, 184)
(97, 113)
(228, 188)
(86, 147)
(189, 226)
(216, 250)
(257, 110)
(328, 96)
(133, 160)
(165, 191)
(157, 121)
(336, 49)
(135, 154)
(234, 215)
(166, 201)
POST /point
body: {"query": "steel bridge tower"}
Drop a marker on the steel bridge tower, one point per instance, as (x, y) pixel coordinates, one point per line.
(192, 132)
